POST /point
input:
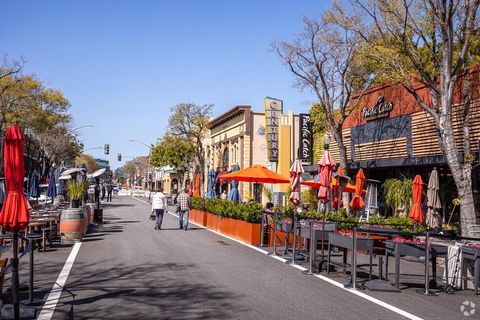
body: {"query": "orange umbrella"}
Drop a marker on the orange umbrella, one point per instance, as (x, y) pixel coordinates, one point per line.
(256, 173)
(357, 201)
(316, 185)
(416, 214)
(197, 185)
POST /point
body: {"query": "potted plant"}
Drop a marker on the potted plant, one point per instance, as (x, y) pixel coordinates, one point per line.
(76, 191)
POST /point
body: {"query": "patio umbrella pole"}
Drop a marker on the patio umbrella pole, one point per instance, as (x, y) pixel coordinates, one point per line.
(15, 284)
(275, 235)
(294, 236)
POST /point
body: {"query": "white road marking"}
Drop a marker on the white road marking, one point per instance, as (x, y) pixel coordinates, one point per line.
(52, 300)
(319, 276)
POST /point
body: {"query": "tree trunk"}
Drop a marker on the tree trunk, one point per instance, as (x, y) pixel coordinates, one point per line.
(462, 175)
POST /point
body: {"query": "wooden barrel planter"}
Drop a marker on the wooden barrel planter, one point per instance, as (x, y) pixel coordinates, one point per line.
(72, 225)
(91, 207)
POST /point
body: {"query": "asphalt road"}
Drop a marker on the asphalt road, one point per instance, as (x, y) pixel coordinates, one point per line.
(127, 270)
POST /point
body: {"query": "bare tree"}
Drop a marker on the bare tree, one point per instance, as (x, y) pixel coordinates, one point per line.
(190, 121)
(430, 43)
(323, 60)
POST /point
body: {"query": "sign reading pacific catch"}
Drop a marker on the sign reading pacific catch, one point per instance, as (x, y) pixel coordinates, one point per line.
(305, 137)
(381, 109)
(273, 112)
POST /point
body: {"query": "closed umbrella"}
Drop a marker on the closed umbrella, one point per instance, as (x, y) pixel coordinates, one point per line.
(52, 187)
(234, 195)
(325, 170)
(296, 171)
(14, 216)
(190, 188)
(211, 184)
(433, 201)
(357, 201)
(34, 191)
(197, 185)
(416, 214)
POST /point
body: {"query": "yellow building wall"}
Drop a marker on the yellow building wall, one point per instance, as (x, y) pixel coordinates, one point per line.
(284, 161)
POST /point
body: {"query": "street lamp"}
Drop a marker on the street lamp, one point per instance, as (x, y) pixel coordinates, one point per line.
(96, 148)
(148, 171)
(85, 126)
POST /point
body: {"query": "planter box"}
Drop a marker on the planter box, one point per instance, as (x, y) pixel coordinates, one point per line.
(248, 232)
(199, 217)
(212, 221)
(241, 230)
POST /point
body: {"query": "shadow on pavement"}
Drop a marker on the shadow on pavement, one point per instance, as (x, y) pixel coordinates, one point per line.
(161, 292)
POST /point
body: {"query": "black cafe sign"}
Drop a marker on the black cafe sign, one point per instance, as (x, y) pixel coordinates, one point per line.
(380, 109)
(305, 139)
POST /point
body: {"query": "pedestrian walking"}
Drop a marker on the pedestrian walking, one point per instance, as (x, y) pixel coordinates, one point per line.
(103, 192)
(109, 193)
(184, 201)
(159, 206)
(265, 227)
(96, 193)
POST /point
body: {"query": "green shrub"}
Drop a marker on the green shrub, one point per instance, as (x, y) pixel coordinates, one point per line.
(198, 203)
(76, 190)
(250, 211)
(404, 224)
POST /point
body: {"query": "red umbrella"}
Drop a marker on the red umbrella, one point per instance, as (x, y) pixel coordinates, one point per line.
(295, 172)
(197, 185)
(416, 214)
(357, 201)
(190, 188)
(14, 216)
(325, 170)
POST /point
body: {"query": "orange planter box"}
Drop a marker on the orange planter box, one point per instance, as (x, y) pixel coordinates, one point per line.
(212, 221)
(280, 237)
(248, 232)
(198, 216)
(241, 230)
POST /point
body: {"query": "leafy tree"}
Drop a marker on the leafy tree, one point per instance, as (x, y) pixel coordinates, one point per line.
(173, 151)
(189, 121)
(88, 160)
(431, 43)
(319, 126)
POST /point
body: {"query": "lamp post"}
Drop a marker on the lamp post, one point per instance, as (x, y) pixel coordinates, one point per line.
(148, 170)
(84, 126)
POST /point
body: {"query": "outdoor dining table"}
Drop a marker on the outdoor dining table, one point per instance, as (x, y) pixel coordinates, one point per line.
(398, 249)
(35, 224)
(319, 232)
(346, 243)
(472, 254)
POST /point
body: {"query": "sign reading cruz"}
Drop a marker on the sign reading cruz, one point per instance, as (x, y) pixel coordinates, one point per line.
(273, 112)
(380, 109)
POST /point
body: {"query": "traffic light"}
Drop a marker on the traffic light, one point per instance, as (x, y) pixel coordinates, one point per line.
(119, 157)
(106, 149)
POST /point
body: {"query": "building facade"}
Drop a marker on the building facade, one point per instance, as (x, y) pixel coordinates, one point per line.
(238, 136)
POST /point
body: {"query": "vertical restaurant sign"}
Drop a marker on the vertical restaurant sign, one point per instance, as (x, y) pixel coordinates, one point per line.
(305, 137)
(273, 112)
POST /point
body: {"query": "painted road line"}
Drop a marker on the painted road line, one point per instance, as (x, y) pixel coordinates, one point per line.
(54, 295)
(339, 285)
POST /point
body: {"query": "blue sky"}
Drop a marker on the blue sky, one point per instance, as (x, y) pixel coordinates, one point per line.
(123, 64)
